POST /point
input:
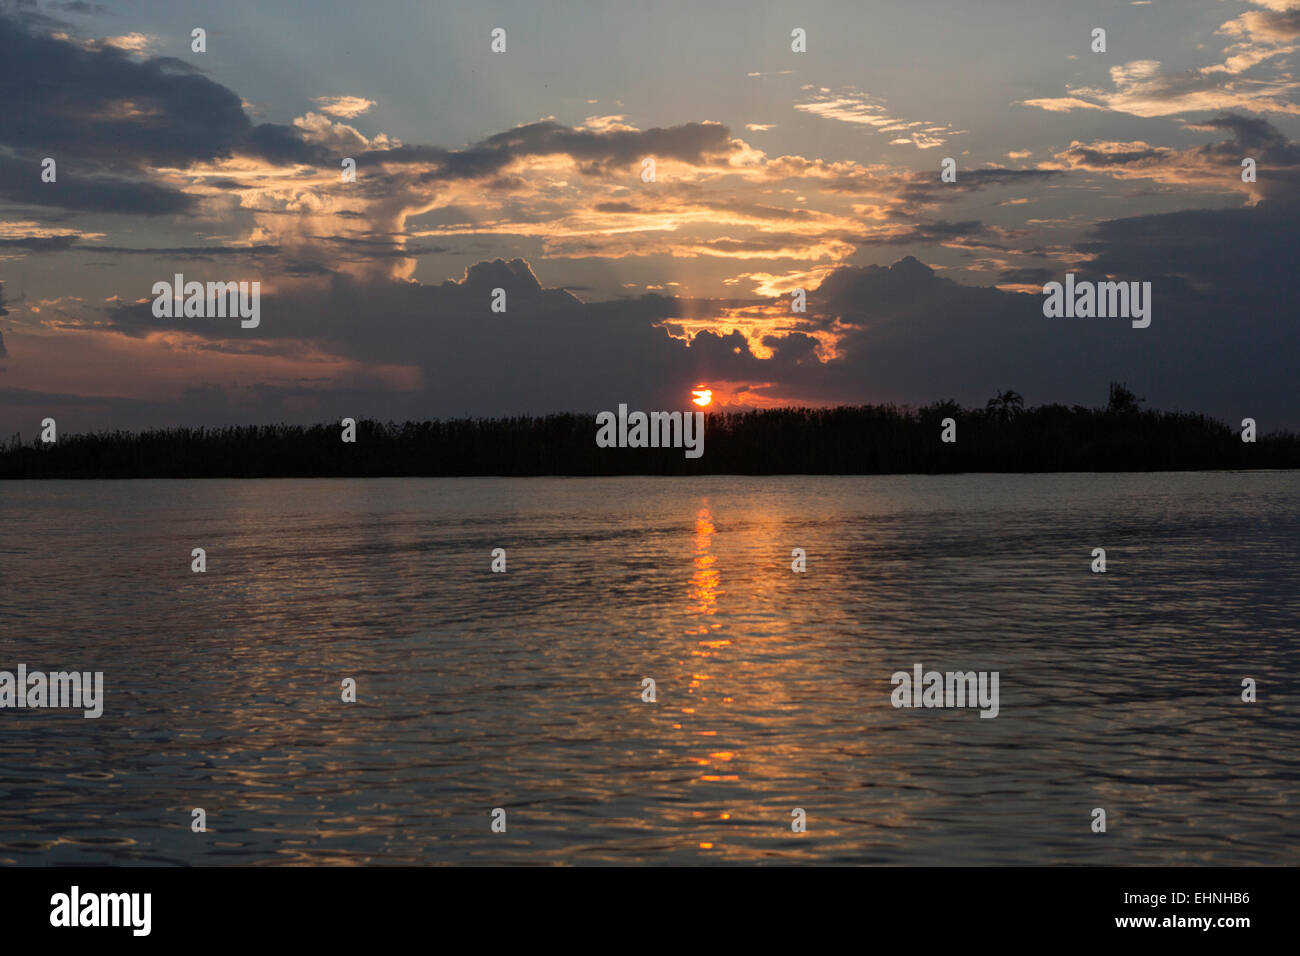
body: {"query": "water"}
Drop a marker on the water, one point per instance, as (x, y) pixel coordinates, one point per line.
(523, 690)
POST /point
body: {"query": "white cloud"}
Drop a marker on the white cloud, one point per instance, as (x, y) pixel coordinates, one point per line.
(345, 107)
(1258, 39)
(853, 106)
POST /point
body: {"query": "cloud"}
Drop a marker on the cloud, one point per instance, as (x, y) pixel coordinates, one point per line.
(345, 324)
(339, 139)
(20, 182)
(1062, 104)
(345, 107)
(1213, 166)
(595, 151)
(940, 231)
(874, 333)
(1229, 254)
(1026, 276)
(575, 190)
(602, 124)
(850, 105)
(1259, 38)
(1261, 34)
(72, 242)
(138, 43)
(106, 108)
(39, 243)
(80, 6)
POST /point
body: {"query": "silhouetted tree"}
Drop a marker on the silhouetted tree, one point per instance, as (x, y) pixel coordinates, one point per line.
(1122, 401)
(869, 439)
(1004, 406)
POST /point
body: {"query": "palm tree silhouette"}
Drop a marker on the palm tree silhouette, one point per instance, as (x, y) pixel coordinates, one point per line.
(1005, 406)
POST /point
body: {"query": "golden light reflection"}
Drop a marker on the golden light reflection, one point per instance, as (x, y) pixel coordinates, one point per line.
(703, 600)
(744, 672)
(704, 582)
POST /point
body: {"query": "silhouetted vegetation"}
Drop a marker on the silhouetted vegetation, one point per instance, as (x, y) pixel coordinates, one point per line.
(1003, 436)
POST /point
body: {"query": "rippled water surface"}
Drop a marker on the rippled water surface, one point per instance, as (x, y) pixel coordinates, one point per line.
(522, 690)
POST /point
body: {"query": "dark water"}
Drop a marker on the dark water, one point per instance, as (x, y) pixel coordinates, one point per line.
(523, 690)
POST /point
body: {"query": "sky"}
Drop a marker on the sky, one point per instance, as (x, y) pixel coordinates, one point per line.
(526, 171)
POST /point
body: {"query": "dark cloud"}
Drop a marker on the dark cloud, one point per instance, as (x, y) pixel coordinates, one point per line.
(596, 151)
(76, 189)
(27, 13)
(514, 276)
(99, 106)
(1221, 340)
(1254, 133)
(1216, 165)
(1026, 275)
(348, 312)
(938, 231)
(1094, 157)
(1277, 157)
(921, 189)
(1221, 281)
(39, 244)
(1223, 330)
(70, 242)
(79, 6)
(855, 293)
(3, 312)
(303, 268)
(1245, 254)
(186, 252)
(364, 248)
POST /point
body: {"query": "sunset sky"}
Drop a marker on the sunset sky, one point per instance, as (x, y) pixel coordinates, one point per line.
(522, 170)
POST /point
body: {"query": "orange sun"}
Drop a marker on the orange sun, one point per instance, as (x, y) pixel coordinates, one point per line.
(702, 396)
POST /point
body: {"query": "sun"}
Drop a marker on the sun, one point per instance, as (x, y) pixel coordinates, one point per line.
(702, 396)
